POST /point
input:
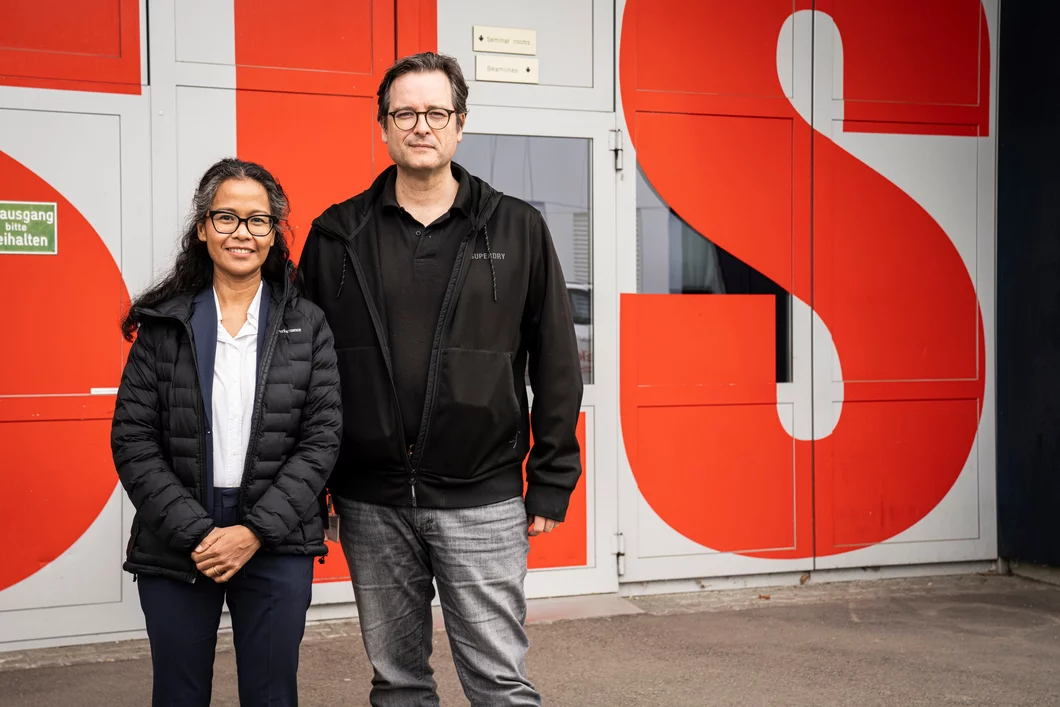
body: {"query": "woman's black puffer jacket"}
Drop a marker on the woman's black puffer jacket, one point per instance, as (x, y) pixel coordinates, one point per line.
(160, 446)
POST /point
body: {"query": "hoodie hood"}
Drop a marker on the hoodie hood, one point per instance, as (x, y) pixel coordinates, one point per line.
(344, 220)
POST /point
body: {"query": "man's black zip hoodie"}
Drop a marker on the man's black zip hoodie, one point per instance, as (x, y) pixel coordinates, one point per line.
(505, 304)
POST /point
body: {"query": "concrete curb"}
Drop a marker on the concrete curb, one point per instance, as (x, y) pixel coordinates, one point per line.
(604, 606)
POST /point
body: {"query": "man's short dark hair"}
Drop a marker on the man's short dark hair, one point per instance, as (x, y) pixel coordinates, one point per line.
(424, 62)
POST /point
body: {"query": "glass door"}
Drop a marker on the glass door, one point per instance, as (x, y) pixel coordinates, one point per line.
(561, 164)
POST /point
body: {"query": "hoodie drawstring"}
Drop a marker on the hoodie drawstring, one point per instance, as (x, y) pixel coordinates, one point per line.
(345, 256)
(489, 257)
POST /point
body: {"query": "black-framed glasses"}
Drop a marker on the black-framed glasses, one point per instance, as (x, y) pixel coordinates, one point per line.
(227, 223)
(437, 118)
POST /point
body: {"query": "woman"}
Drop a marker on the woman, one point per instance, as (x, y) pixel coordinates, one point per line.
(226, 428)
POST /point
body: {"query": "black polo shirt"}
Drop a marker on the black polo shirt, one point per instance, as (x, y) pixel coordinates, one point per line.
(417, 262)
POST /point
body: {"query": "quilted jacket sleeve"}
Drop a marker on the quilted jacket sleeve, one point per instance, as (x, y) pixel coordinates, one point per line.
(163, 503)
(299, 483)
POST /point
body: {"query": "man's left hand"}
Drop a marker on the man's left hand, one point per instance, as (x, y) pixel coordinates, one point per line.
(222, 554)
(541, 524)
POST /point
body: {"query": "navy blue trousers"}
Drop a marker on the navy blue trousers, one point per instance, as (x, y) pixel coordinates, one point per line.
(268, 599)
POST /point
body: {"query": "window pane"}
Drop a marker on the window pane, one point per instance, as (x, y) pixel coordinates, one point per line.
(673, 258)
(552, 174)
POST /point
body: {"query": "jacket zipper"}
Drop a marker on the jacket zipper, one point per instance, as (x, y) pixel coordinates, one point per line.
(266, 363)
(462, 259)
(200, 416)
(456, 282)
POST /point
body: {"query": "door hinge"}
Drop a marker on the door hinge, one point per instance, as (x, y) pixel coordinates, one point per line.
(618, 549)
(614, 143)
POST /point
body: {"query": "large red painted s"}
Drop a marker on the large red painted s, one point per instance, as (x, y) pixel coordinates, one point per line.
(698, 385)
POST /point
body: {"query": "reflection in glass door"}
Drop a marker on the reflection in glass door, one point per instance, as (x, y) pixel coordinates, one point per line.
(675, 259)
(559, 163)
(552, 174)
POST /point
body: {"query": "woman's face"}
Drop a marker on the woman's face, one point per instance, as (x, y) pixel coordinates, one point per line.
(239, 229)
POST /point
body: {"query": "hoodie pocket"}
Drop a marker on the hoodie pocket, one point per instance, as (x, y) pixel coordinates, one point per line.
(476, 422)
(369, 431)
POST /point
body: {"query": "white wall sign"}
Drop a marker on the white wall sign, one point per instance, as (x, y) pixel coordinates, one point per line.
(504, 40)
(508, 69)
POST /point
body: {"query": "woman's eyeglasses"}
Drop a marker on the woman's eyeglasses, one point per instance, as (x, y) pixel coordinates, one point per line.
(227, 223)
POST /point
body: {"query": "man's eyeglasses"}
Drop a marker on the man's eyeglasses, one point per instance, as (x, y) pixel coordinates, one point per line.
(437, 118)
(227, 223)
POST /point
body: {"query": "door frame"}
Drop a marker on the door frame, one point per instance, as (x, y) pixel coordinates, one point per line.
(600, 398)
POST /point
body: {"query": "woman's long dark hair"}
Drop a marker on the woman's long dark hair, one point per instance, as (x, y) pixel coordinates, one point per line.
(193, 268)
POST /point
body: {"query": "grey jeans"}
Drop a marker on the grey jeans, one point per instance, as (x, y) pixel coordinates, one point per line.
(478, 557)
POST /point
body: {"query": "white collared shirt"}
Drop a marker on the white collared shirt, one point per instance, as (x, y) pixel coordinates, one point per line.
(235, 374)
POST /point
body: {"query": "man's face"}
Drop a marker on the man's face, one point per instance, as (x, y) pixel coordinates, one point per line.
(421, 146)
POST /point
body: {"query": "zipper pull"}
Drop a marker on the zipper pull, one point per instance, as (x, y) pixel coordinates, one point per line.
(412, 477)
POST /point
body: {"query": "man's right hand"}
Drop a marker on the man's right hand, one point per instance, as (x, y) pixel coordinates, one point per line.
(541, 524)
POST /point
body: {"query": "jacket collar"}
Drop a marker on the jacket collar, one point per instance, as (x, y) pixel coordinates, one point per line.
(462, 203)
(346, 219)
(181, 306)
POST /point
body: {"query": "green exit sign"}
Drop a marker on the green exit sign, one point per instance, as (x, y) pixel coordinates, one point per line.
(28, 228)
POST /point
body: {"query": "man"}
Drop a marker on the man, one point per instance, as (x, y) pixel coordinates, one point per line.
(439, 290)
